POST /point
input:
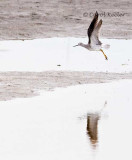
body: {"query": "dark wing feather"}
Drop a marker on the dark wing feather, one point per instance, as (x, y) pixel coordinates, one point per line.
(92, 26)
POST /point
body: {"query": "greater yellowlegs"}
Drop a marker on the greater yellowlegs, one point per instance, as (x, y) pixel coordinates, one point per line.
(94, 44)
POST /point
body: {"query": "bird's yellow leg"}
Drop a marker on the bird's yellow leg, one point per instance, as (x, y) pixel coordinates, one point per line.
(104, 54)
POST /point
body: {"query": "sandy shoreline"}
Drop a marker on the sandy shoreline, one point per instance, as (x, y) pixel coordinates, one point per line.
(27, 67)
(28, 84)
(41, 19)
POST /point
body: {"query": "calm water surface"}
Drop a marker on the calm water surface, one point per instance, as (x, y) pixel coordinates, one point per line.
(82, 122)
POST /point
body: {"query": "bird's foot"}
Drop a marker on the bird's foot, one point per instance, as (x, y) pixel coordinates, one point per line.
(106, 58)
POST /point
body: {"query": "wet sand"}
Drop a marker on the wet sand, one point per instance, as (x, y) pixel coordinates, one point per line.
(22, 19)
(28, 84)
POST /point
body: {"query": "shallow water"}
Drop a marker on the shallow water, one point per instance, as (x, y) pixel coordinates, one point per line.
(82, 122)
(59, 54)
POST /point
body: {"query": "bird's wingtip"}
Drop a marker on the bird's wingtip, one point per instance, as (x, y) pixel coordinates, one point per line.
(96, 13)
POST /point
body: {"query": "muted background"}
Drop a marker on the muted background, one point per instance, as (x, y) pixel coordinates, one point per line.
(30, 19)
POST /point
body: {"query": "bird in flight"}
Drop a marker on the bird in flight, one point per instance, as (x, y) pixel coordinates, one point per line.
(94, 44)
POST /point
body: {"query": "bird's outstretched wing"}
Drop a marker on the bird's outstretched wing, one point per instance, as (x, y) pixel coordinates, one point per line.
(93, 30)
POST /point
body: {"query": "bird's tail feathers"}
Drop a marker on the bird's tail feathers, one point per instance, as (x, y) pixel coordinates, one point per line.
(106, 46)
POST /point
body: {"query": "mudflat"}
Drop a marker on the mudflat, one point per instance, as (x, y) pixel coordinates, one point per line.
(28, 84)
(22, 19)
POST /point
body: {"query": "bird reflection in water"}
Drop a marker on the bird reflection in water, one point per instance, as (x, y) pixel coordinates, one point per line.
(92, 126)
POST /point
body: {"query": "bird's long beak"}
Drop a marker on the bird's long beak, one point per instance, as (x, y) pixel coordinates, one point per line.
(76, 45)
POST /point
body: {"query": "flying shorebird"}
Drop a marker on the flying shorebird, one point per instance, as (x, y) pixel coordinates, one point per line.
(94, 44)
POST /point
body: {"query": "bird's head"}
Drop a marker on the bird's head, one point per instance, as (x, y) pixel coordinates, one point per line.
(79, 44)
